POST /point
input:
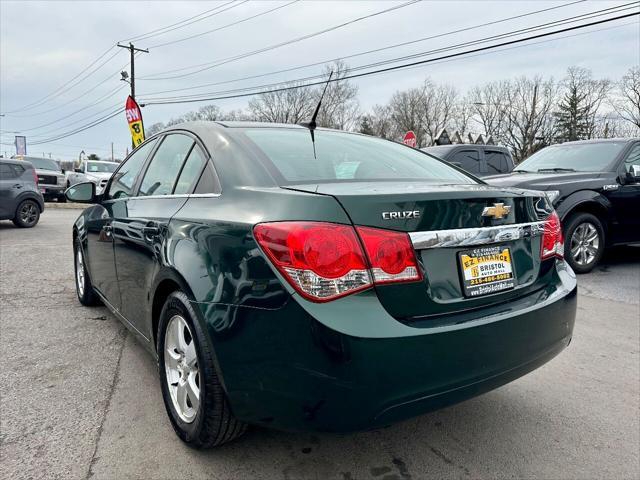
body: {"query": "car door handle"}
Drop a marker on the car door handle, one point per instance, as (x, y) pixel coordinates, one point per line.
(17, 185)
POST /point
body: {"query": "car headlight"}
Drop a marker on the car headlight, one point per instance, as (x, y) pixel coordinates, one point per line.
(552, 195)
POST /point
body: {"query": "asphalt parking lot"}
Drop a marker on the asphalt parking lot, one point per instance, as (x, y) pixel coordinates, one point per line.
(80, 398)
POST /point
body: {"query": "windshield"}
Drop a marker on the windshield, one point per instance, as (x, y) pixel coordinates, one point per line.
(43, 163)
(101, 167)
(585, 157)
(348, 157)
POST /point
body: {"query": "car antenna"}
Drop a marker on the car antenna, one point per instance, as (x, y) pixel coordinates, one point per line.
(312, 124)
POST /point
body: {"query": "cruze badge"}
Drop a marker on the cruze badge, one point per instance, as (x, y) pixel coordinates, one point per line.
(400, 215)
(498, 211)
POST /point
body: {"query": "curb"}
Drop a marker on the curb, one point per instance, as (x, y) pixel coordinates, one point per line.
(65, 206)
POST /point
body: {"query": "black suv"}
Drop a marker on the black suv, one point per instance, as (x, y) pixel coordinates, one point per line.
(480, 160)
(20, 198)
(595, 187)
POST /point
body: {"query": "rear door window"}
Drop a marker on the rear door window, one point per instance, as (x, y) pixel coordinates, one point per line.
(496, 161)
(6, 172)
(190, 171)
(468, 160)
(162, 172)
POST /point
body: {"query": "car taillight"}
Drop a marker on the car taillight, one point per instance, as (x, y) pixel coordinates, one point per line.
(325, 261)
(391, 255)
(552, 238)
(35, 176)
(322, 261)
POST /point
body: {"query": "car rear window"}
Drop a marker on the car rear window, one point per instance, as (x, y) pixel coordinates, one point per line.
(343, 156)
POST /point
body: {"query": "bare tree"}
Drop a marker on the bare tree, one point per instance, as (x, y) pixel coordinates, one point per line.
(462, 116)
(406, 113)
(628, 102)
(379, 122)
(528, 115)
(438, 104)
(294, 105)
(612, 125)
(340, 107)
(580, 104)
(488, 104)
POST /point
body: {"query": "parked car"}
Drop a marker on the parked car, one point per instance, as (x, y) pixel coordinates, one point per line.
(334, 282)
(480, 160)
(20, 198)
(95, 171)
(51, 180)
(595, 187)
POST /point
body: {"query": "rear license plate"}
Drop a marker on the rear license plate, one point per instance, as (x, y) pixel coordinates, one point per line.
(486, 270)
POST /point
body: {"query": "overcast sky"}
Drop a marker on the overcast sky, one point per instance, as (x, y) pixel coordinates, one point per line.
(44, 44)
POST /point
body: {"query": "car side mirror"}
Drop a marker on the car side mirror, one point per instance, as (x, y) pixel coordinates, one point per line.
(84, 192)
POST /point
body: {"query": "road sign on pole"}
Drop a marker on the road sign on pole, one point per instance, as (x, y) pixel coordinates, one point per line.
(410, 139)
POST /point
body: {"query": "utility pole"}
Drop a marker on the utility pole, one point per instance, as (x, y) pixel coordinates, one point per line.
(132, 81)
(112, 151)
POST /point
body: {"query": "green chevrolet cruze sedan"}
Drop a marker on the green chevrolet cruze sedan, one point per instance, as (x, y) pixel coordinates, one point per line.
(331, 282)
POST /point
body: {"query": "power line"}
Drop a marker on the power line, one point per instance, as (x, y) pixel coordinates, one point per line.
(392, 68)
(389, 61)
(61, 90)
(324, 62)
(347, 77)
(81, 129)
(183, 23)
(473, 27)
(100, 100)
(224, 26)
(210, 65)
(81, 96)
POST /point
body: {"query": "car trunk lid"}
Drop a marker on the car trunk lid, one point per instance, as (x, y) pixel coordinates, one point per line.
(447, 228)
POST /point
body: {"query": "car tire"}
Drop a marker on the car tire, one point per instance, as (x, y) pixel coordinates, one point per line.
(191, 389)
(584, 242)
(84, 289)
(27, 214)
(62, 199)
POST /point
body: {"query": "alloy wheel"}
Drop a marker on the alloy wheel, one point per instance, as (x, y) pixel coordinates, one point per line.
(585, 243)
(80, 272)
(28, 213)
(181, 369)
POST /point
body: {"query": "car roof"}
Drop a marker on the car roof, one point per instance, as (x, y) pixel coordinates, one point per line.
(598, 140)
(16, 161)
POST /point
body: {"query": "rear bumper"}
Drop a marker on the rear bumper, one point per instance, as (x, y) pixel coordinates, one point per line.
(349, 366)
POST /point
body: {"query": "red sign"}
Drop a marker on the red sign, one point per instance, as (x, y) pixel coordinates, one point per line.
(409, 139)
(134, 119)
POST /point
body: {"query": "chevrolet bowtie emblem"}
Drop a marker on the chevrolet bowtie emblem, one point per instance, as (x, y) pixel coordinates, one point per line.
(498, 211)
